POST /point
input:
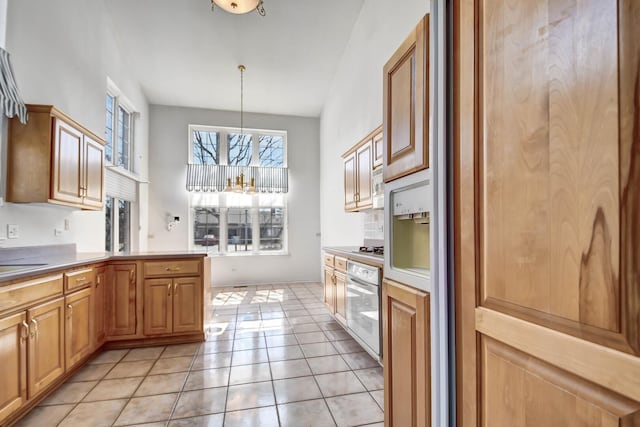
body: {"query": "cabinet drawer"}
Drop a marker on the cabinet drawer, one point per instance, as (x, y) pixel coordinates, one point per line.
(25, 293)
(172, 268)
(340, 263)
(79, 278)
(328, 260)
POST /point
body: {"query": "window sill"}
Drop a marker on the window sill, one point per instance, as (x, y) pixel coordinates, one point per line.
(125, 172)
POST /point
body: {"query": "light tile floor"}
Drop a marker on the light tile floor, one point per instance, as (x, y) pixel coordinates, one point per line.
(273, 357)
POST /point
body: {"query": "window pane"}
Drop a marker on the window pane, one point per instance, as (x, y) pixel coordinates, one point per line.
(271, 151)
(108, 134)
(239, 149)
(206, 148)
(271, 229)
(206, 229)
(124, 226)
(108, 232)
(239, 230)
(124, 131)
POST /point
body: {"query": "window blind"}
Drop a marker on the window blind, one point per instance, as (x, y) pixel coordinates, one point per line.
(120, 186)
(207, 178)
(10, 99)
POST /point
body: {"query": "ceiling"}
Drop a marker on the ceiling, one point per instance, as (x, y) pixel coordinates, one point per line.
(186, 55)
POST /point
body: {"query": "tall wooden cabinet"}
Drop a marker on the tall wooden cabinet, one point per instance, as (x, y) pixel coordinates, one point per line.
(406, 106)
(406, 355)
(547, 201)
(65, 161)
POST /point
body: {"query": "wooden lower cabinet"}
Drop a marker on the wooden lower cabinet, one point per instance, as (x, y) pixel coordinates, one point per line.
(172, 305)
(46, 345)
(340, 296)
(120, 310)
(98, 307)
(406, 347)
(78, 327)
(158, 310)
(187, 304)
(14, 333)
(329, 289)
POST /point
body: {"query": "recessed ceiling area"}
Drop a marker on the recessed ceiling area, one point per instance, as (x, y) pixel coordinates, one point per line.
(186, 55)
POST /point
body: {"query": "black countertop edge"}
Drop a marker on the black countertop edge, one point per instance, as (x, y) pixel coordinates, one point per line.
(348, 252)
(42, 265)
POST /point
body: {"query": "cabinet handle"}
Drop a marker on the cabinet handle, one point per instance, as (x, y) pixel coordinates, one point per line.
(79, 279)
(97, 281)
(175, 289)
(25, 331)
(35, 331)
(169, 290)
(172, 269)
(70, 307)
(131, 276)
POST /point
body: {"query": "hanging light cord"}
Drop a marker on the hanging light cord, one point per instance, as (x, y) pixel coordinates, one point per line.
(241, 68)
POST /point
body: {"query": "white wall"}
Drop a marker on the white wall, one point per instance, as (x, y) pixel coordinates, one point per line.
(168, 165)
(62, 53)
(353, 107)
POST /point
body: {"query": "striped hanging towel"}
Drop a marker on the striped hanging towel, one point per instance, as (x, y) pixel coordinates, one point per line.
(10, 100)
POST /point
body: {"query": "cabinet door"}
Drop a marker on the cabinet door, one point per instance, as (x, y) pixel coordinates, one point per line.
(78, 326)
(406, 347)
(121, 300)
(341, 297)
(406, 106)
(329, 290)
(378, 149)
(67, 163)
(365, 166)
(547, 202)
(93, 180)
(187, 304)
(350, 182)
(46, 345)
(14, 333)
(158, 306)
(98, 306)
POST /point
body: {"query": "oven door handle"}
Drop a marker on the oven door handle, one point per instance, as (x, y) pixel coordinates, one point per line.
(360, 282)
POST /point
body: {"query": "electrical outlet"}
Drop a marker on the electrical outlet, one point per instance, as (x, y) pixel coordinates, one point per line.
(66, 224)
(57, 232)
(13, 231)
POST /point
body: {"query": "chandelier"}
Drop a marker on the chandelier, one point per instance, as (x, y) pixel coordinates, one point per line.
(239, 6)
(240, 185)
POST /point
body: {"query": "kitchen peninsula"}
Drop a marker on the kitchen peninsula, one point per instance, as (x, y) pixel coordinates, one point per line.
(59, 307)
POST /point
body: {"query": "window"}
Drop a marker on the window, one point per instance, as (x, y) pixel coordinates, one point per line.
(239, 224)
(226, 146)
(117, 233)
(118, 132)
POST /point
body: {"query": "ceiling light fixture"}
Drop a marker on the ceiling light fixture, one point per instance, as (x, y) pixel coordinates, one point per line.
(239, 6)
(240, 186)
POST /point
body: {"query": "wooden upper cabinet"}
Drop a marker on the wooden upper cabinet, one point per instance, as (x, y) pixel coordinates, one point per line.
(350, 182)
(406, 106)
(547, 201)
(365, 167)
(358, 170)
(120, 308)
(378, 148)
(14, 333)
(54, 159)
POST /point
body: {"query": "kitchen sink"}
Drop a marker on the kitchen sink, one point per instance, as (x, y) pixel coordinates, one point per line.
(4, 268)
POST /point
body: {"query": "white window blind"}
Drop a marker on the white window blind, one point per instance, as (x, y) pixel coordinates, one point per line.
(120, 186)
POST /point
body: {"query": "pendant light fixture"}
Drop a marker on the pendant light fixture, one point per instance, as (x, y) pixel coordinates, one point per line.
(239, 7)
(240, 186)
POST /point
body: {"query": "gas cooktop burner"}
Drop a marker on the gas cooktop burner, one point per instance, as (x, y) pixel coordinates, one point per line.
(376, 250)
